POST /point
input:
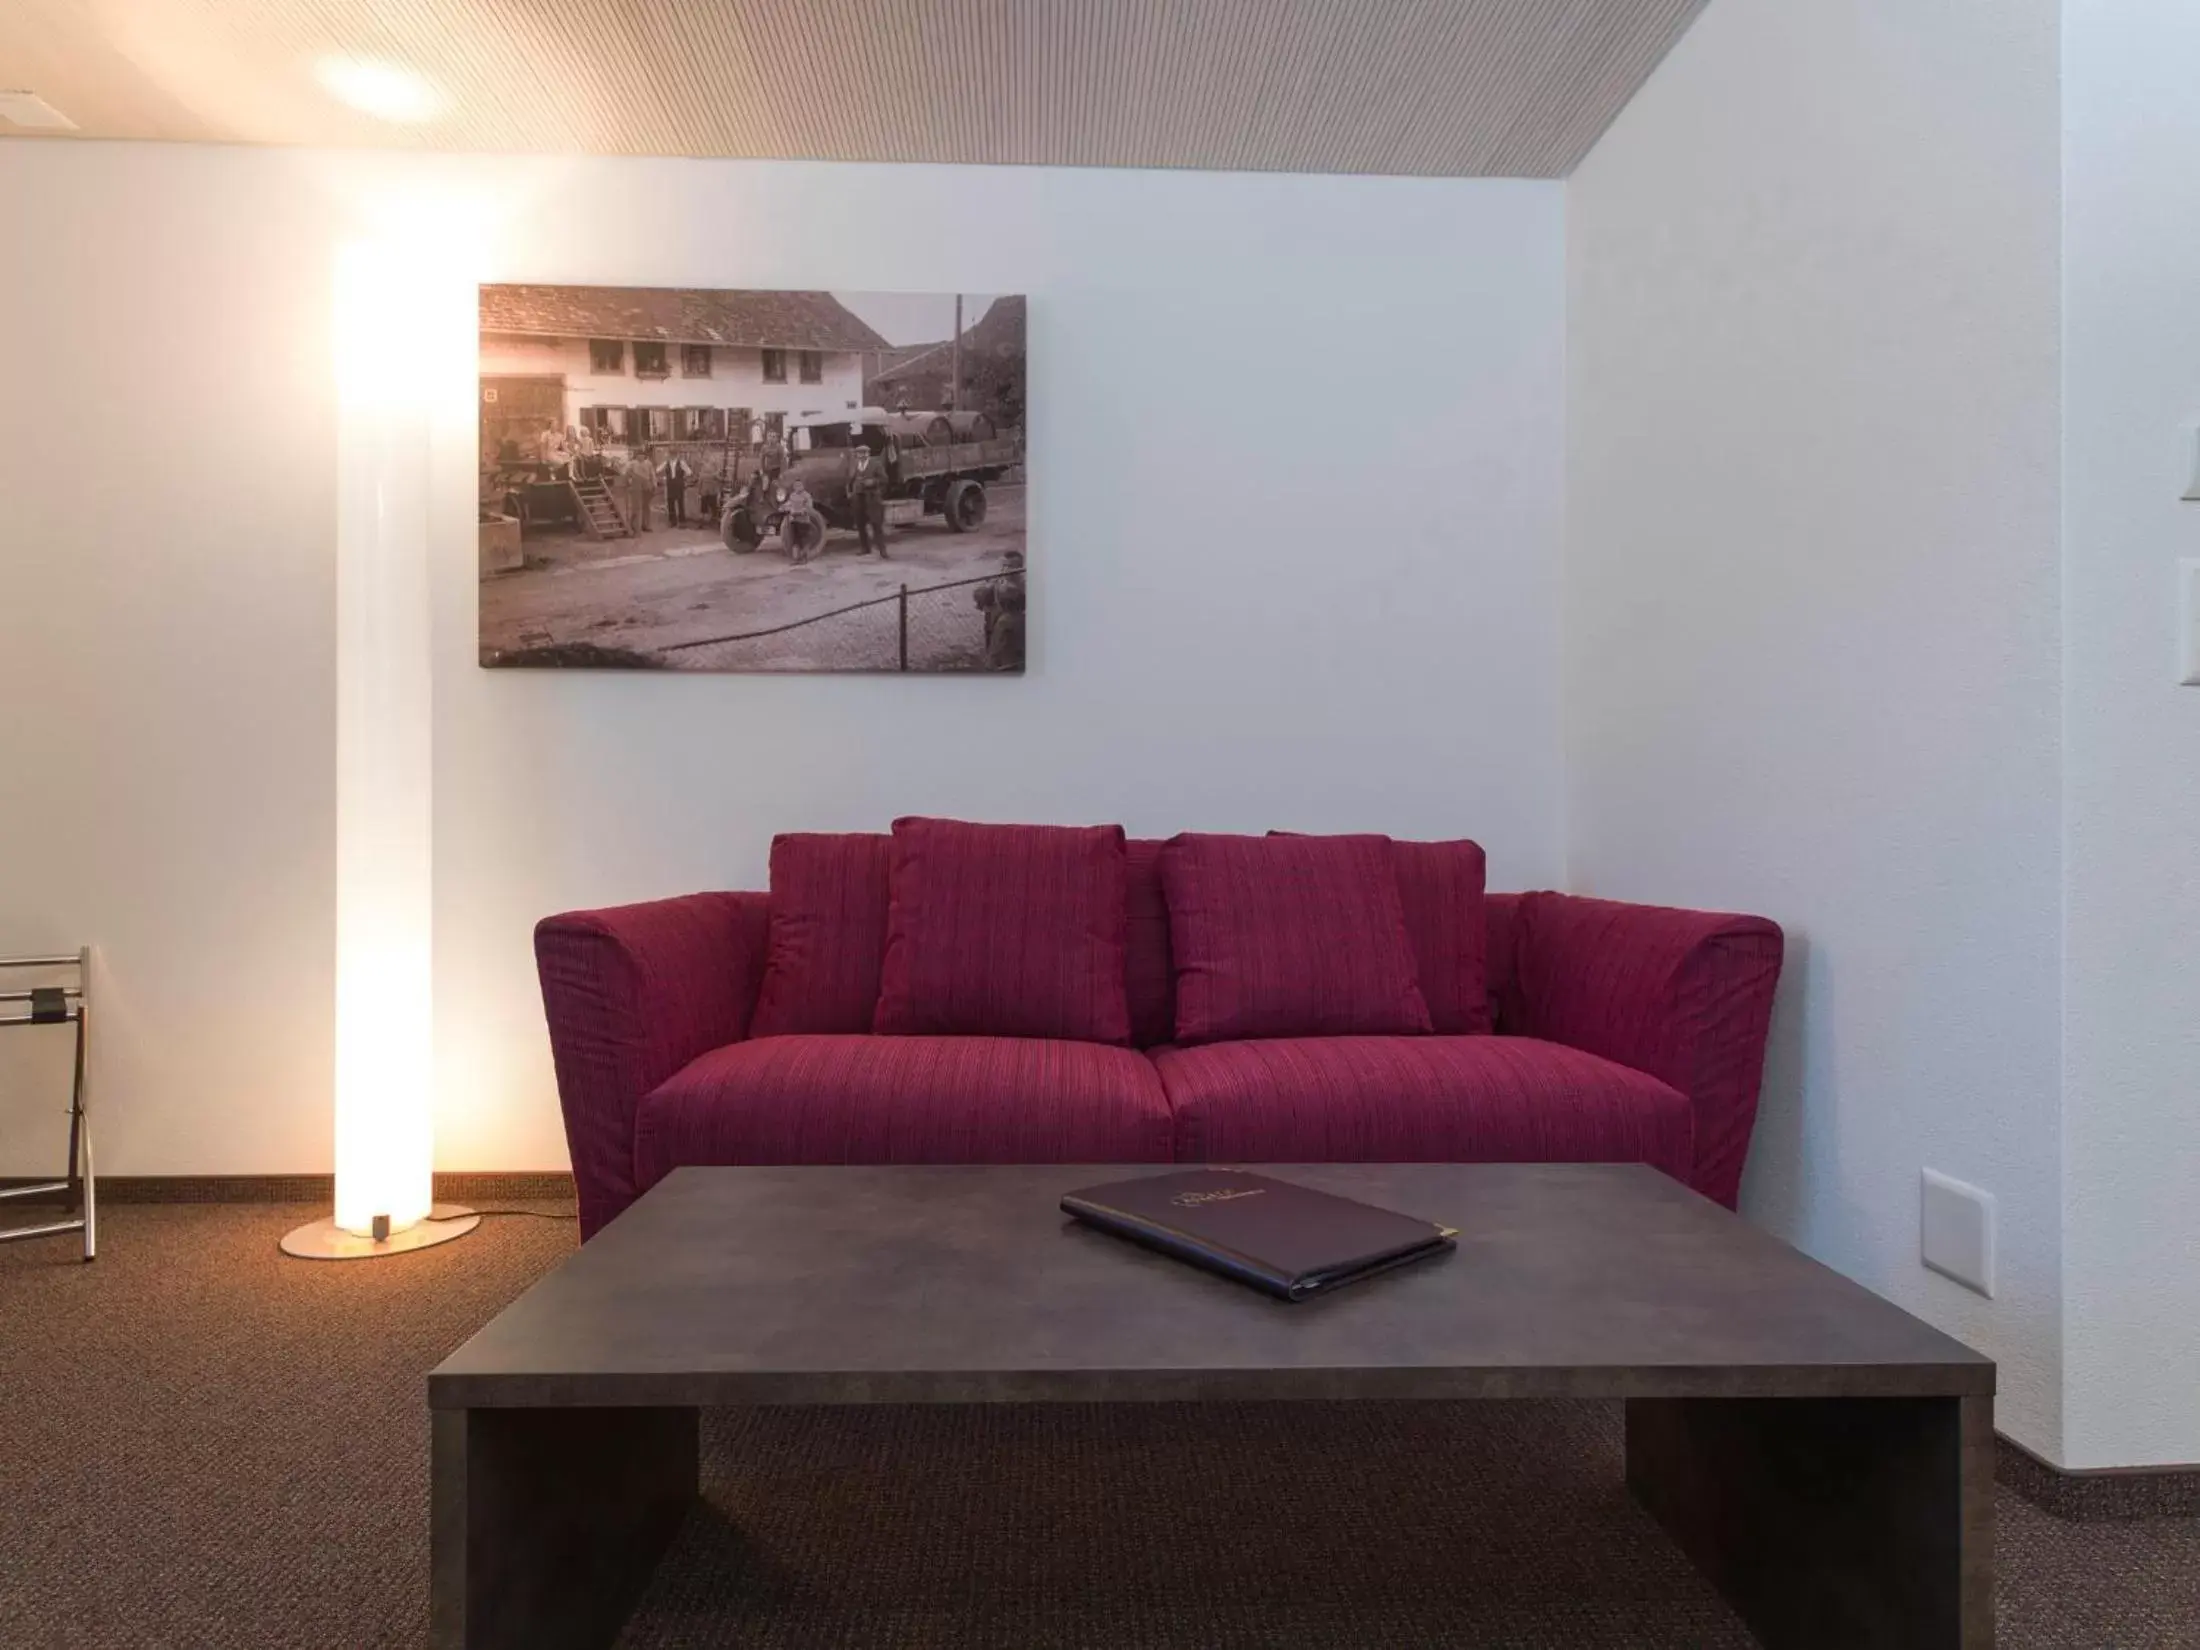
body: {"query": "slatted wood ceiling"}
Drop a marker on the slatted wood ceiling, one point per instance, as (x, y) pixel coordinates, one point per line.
(1515, 88)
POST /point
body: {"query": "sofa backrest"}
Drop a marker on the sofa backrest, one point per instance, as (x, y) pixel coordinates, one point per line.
(1501, 973)
(1149, 974)
(1149, 971)
(1149, 980)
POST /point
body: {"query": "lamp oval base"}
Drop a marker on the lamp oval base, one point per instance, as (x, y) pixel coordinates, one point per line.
(325, 1240)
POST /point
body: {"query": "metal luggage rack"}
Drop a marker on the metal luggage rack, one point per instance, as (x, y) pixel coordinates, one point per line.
(43, 1005)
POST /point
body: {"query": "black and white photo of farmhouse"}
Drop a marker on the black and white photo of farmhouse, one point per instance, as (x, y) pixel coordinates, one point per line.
(732, 480)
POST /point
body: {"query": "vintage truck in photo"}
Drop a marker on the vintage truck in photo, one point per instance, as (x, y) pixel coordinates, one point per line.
(937, 464)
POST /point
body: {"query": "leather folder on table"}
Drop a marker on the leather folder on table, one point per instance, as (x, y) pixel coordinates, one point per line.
(1290, 1241)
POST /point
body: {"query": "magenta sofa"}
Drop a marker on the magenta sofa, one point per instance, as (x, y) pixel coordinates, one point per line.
(1622, 1033)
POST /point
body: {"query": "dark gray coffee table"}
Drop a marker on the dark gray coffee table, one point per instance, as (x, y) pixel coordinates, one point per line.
(1825, 1458)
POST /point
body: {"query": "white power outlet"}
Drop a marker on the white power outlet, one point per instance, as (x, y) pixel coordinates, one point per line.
(1956, 1232)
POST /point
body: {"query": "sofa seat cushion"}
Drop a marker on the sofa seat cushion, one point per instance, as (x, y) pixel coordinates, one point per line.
(837, 1099)
(1475, 1099)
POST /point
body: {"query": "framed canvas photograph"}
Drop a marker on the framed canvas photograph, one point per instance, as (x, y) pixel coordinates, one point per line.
(727, 479)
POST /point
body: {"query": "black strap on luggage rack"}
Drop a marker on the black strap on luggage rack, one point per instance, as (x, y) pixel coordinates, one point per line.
(47, 1005)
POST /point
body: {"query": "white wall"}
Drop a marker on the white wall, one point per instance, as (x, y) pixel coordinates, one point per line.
(1295, 481)
(1812, 600)
(2131, 377)
(167, 489)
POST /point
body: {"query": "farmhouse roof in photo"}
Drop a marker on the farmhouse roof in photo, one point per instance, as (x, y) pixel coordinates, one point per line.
(678, 315)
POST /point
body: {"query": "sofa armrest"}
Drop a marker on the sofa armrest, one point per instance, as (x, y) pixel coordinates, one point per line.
(1685, 996)
(632, 994)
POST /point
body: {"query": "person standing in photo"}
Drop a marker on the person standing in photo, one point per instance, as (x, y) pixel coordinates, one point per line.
(677, 474)
(802, 529)
(867, 503)
(772, 458)
(1001, 600)
(641, 481)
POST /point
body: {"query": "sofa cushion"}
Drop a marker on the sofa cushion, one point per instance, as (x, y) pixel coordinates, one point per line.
(1149, 985)
(1288, 936)
(904, 1100)
(1420, 1099)
(1440, 889)
(1005, 931)
(828, 933)
(1440, 892)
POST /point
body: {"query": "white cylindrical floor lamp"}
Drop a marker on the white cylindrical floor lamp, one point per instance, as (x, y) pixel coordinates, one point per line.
(385, 1077)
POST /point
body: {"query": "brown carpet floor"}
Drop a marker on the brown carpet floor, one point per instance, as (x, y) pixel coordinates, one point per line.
(205, 1445)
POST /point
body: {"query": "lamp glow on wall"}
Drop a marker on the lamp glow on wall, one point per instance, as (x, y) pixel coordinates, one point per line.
(385, 335)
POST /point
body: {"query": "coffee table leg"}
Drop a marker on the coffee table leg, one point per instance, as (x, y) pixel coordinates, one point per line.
(1830, 1521)
(546, 1523)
